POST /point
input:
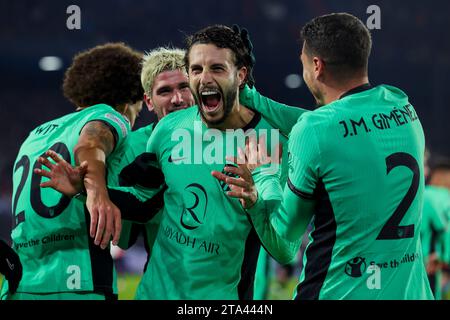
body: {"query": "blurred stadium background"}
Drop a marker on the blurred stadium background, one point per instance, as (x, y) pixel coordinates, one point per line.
(411, 51)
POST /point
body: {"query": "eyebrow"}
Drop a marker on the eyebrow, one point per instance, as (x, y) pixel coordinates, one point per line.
(218, 65)
(195, 66)
(169, 88)
(163, 89)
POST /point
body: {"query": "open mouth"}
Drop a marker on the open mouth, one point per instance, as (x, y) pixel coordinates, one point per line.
(211, 99)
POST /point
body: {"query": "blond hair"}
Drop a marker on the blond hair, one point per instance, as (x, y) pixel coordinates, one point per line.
(157, 61)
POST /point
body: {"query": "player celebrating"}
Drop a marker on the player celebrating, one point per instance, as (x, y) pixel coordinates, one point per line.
(202, 230)
(51, 232)
(436, 223)
(166, 90)
(356, 169)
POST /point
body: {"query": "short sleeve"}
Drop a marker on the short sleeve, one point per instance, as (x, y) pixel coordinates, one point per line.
(120, 127)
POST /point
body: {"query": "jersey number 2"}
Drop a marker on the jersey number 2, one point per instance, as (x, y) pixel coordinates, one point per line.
(392, 229)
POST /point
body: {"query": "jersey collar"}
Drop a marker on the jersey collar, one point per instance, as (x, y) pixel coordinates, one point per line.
(361, 88)
(254, 122)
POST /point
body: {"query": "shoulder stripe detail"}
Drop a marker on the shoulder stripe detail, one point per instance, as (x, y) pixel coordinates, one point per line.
(110, 126)
(319, 252)
(248, 266)
(119, 122)
(299, 193)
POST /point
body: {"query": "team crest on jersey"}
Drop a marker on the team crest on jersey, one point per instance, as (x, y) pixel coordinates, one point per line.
(121, 124)
(195, 204)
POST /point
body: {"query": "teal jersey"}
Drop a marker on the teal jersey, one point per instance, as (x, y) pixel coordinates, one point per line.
(132, 230)
(279, 115)
(206, 247)
(126, 175)
(262, 276)
(434, 231)
(434, 221)
(282, 117)
(445, 243)
(51, 231)
(356, 169)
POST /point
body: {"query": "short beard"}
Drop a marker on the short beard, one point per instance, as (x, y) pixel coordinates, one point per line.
(318, 97)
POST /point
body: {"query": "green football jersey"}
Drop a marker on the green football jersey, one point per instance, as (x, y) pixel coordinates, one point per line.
(262, 276)
(445, 244)
(125, 175)
(356, 168)
(51, 231)
(206, 247)
(279, 115)
(284, 118)
(434, 221)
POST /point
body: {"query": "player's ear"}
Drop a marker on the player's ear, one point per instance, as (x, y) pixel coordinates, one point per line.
(318, 67)
(148, 102)
(242, 75)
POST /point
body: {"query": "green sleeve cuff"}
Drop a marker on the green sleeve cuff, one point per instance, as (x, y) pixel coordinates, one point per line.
(258, 208)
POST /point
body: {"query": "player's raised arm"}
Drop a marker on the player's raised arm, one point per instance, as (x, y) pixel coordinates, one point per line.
(261, 195)
(279, 115)
(137, 202)
(94, 145)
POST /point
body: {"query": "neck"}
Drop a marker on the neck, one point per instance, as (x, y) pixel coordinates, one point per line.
(238, 118)
(334, 92)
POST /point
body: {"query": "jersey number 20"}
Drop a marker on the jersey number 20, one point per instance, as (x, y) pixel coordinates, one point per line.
(35, 190)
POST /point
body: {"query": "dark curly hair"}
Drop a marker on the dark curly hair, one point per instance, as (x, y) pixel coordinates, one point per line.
(224, 37)
(108, 73)
(341, 40)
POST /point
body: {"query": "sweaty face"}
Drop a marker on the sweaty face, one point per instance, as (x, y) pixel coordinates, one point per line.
(170, 93)
(214, 80)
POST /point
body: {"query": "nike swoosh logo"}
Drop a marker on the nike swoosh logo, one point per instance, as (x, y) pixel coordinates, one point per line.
(177, 159)
(10, 265)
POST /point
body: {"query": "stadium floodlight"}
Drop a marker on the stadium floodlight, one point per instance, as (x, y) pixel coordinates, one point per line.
(50, 63)
(293, 81)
